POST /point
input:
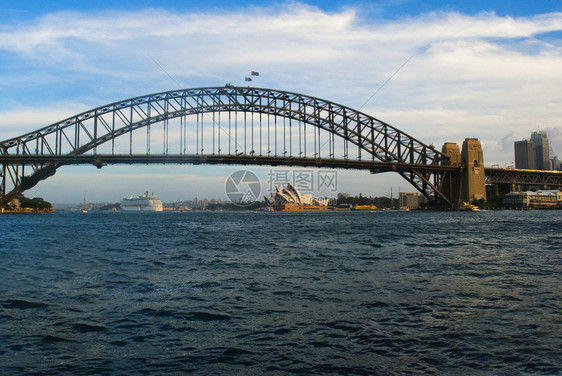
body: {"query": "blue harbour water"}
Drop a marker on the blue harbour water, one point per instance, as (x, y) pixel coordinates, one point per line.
(249, 293)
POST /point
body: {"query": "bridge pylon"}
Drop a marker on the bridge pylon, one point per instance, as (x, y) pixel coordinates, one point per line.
(469, 185)
(473, 175)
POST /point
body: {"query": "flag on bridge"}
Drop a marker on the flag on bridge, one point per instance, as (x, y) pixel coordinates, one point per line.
(248, 79)
(255, 73)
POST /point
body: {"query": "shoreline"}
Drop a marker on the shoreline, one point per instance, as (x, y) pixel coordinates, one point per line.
(26, 211)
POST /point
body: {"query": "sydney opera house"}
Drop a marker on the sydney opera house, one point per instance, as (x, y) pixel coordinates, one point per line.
(289, 198)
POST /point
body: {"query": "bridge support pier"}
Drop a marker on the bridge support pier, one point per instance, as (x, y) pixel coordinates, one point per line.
(473, 176)
(470, 184)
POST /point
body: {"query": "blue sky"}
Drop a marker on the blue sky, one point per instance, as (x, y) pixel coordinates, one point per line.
(384, 9)
(485, 69)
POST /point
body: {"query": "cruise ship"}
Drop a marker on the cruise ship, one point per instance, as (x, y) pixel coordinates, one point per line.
(142, 203)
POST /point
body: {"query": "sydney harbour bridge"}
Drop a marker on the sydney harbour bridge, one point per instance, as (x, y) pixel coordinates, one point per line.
(250, 126)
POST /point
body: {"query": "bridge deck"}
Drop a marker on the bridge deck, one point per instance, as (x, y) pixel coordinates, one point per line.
(100, 160)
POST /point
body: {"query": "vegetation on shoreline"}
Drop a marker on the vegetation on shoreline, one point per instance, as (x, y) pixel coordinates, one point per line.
(36, 203)
(28, 205)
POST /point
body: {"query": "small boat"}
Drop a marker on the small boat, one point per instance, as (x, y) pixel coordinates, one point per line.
(364, 207)
(268, 209)
(469, 207)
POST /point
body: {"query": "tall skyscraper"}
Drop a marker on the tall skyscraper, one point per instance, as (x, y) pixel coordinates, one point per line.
(540, 150)
(524, 156)
(533, 154)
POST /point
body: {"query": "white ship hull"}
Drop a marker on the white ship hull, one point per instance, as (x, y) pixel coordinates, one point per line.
(140, 208)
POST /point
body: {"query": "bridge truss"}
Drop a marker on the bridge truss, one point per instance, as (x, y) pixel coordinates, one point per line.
(540, 178)
(223, 125)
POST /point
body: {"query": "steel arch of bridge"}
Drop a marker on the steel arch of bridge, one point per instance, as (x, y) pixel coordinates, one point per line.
(364, 141)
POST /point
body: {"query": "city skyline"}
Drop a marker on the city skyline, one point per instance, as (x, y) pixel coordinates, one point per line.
(535, 153)
(439, 72)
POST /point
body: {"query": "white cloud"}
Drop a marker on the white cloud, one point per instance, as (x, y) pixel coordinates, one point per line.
(15, 122)
(486, 76)
(454, 26)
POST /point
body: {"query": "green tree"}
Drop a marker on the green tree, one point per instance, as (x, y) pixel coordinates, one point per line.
(36, 203)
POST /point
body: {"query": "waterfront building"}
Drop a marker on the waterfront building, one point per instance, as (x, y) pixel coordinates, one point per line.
(15, 203)
(524, 156)
(544, 199)
(409, 200)
(289, 198)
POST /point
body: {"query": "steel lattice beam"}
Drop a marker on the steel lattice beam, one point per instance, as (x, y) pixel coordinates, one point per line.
(524, 177)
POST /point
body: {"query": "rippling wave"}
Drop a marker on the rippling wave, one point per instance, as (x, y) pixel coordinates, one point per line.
(281, 293)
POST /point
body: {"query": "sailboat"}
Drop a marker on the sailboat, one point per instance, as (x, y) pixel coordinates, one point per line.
(399, 208)
(84, 204)
(403, 207)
